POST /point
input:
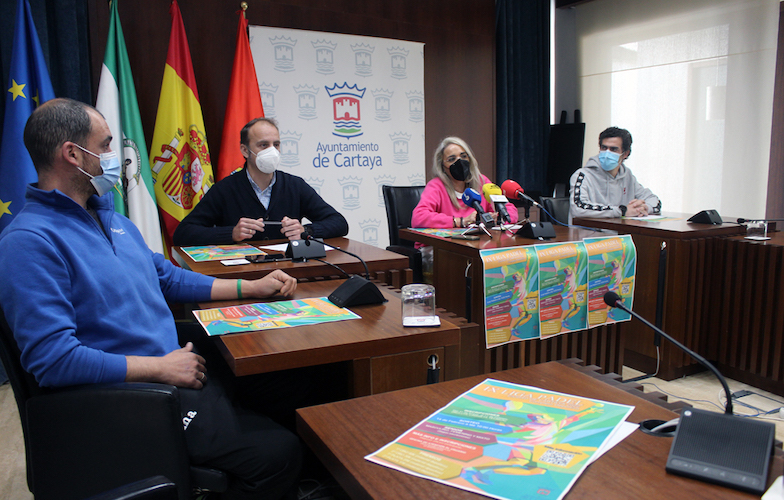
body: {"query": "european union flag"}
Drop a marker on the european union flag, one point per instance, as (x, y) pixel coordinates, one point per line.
(28, 87)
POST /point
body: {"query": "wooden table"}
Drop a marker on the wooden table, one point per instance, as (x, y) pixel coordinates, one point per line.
(457, 266)
(691, 274)
(384, 355)
(342, 433)
(388, 267)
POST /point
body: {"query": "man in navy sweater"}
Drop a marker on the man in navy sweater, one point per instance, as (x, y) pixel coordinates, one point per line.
(236, 208)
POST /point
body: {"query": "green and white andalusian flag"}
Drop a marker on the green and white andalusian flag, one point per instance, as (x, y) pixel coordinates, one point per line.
(117, 102)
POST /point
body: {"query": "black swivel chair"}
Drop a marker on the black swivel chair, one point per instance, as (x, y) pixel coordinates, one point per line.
(86, 440)
(400, 202)
(558, 208)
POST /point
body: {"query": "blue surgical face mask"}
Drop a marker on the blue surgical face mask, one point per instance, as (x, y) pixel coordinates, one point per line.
(608, 160)
(110, 168)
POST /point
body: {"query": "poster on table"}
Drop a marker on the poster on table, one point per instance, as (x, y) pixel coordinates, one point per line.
(563, 283)
(270, 315)
(612, 267)
(506, 441)
(351, 116)
(511, 285)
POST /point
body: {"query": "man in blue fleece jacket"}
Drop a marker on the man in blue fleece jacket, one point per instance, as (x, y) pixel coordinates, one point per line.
(86, 299)
(235, 208)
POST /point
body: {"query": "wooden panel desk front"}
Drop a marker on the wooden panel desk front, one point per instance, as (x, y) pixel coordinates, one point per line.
(342, 433)
(387, 267)
(746, 330)
(458, 278)
(690, 275)
(384, 354)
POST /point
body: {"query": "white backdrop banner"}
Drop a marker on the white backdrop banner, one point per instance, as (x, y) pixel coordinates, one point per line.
(351, 112)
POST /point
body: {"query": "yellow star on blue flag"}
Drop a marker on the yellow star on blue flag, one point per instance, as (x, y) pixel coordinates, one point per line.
(28, 77)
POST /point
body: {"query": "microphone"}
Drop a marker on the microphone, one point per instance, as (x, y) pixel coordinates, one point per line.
(612, 299)
(307, 237)
(533, 230)
(355, 291)
(743, 221)
(512, 189)
(472, 199)
(694, 452)
(494, 195)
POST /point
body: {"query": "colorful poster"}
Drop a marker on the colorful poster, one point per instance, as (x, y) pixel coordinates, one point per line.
(270, 315)
(506, 441)
(511, 294)
(612, 266)
(562, 288)
(221, 252)
(443, 233)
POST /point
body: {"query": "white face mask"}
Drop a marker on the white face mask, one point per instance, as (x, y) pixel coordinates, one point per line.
(267, 160)
(110, 168)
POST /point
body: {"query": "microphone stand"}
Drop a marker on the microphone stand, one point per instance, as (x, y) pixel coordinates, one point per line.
(356, 290)
(717, 448)
(308, 238)
(613, 300)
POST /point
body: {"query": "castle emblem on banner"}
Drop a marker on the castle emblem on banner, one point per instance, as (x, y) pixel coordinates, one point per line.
(346, 109)
(185, 180)
(284, 53)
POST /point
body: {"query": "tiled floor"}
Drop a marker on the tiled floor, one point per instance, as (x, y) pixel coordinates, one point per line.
(701, 390)
(704, 391)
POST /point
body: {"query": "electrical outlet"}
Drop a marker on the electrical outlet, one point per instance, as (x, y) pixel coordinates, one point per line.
(740, 394)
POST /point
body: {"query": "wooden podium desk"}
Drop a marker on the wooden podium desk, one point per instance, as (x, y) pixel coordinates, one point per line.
(342, 433)
(458, 277)
(690, 276)
(747, 325)
(387, 267)
(383, 354)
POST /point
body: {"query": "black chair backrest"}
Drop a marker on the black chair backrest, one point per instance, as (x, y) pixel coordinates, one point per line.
(558, 208)
(400, 202)
(23, 384)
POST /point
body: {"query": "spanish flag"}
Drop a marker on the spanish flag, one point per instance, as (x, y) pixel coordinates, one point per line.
(180, 158)
(243, 104)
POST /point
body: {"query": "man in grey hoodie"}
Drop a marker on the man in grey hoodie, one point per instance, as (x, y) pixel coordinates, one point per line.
(605, 187)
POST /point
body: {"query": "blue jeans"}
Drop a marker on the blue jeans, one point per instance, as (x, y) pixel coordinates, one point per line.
(3, 375)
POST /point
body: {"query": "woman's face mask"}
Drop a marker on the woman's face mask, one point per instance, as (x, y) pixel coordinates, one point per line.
(460, 169)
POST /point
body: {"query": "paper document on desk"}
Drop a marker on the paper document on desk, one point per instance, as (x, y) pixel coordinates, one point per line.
(506, 441)
(270, 315)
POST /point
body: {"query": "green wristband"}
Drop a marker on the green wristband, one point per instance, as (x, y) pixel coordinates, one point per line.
(239, 289)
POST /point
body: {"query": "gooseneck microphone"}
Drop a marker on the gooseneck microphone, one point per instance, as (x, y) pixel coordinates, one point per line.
(307, 237)
(725, 449)
(355, 291)
(743, 221)
(494, 195)
(612, 299)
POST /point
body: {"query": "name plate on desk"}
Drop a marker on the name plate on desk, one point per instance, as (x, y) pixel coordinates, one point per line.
(422, 321)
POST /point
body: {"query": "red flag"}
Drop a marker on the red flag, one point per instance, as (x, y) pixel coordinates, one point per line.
(243, 104)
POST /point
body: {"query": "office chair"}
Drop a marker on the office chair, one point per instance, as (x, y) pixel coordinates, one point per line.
(85, 440)
(558, 207)
(152, 488)
(400, 202)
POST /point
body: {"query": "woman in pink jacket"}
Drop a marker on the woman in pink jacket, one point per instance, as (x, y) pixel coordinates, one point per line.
(454, 170)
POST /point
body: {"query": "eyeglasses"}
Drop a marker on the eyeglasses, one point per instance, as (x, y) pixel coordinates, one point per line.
(453, 158)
